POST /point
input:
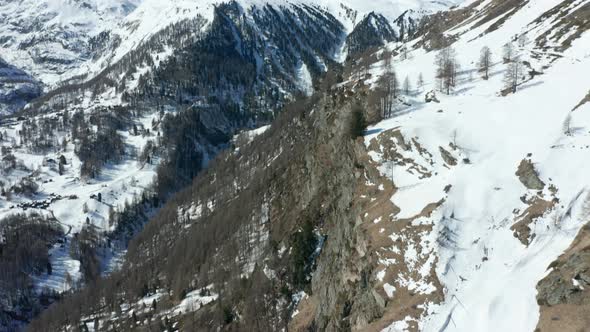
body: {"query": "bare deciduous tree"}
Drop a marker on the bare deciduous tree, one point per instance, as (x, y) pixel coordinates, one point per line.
(407, 87)
(522, 40)
(389, 85)
(567, 125)
(404, 53)
(420, 82)
(508, 53)
(513, 74)
(485, 62)
(447, 68)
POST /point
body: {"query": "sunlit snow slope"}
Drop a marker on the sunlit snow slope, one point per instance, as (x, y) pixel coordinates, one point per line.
(50, 38)
(492, 237)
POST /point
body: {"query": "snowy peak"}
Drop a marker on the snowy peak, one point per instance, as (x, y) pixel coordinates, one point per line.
(61, 42)
(50, 38)
(373, 30)
(277, 49)
(407, 23)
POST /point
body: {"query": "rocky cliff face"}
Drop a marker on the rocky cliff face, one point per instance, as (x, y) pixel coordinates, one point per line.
(259, 218)
(564, 294)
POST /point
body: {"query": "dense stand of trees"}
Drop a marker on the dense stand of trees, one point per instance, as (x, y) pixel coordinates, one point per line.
(24, 252)
(41, 134)
(96, 147)
(180, 253)
(358, 123)
(85, 248)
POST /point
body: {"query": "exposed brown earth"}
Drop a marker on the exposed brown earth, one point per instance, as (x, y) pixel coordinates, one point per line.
(382, 240)
(377, 222)
(564, 294)
(380, 223)
(447, 157)
(538, 207)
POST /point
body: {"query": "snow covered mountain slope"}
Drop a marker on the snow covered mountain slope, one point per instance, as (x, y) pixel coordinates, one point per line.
(41, 174)
(138, 27)
(490, 187)
(57, 40)
(64, 43)
(444, 217)
(49, 38)
(373, 30)
(352, 11)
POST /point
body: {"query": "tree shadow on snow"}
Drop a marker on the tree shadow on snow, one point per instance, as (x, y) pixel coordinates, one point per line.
(529, 85)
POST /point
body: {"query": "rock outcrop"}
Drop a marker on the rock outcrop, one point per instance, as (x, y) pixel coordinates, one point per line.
(527, 174)
(564, 294)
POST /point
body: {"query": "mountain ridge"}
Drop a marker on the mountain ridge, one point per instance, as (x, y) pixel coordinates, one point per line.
(466, 180)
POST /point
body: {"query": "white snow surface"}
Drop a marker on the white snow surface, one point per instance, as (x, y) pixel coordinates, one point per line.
(495, 133)
(55, 30)
(63, 26)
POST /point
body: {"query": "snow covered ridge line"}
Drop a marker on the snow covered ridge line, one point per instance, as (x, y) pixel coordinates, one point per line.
(47, 54)
(113, 50)
(138, 28)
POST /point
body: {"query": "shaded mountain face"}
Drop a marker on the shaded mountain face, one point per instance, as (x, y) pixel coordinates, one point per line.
(235, 71)
(17, 88)
(374, 30)
(407, 23)
(255, 56)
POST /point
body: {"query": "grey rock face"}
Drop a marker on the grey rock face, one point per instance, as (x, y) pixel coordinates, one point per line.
(569, 280)
(447, 157)
(528, 175)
